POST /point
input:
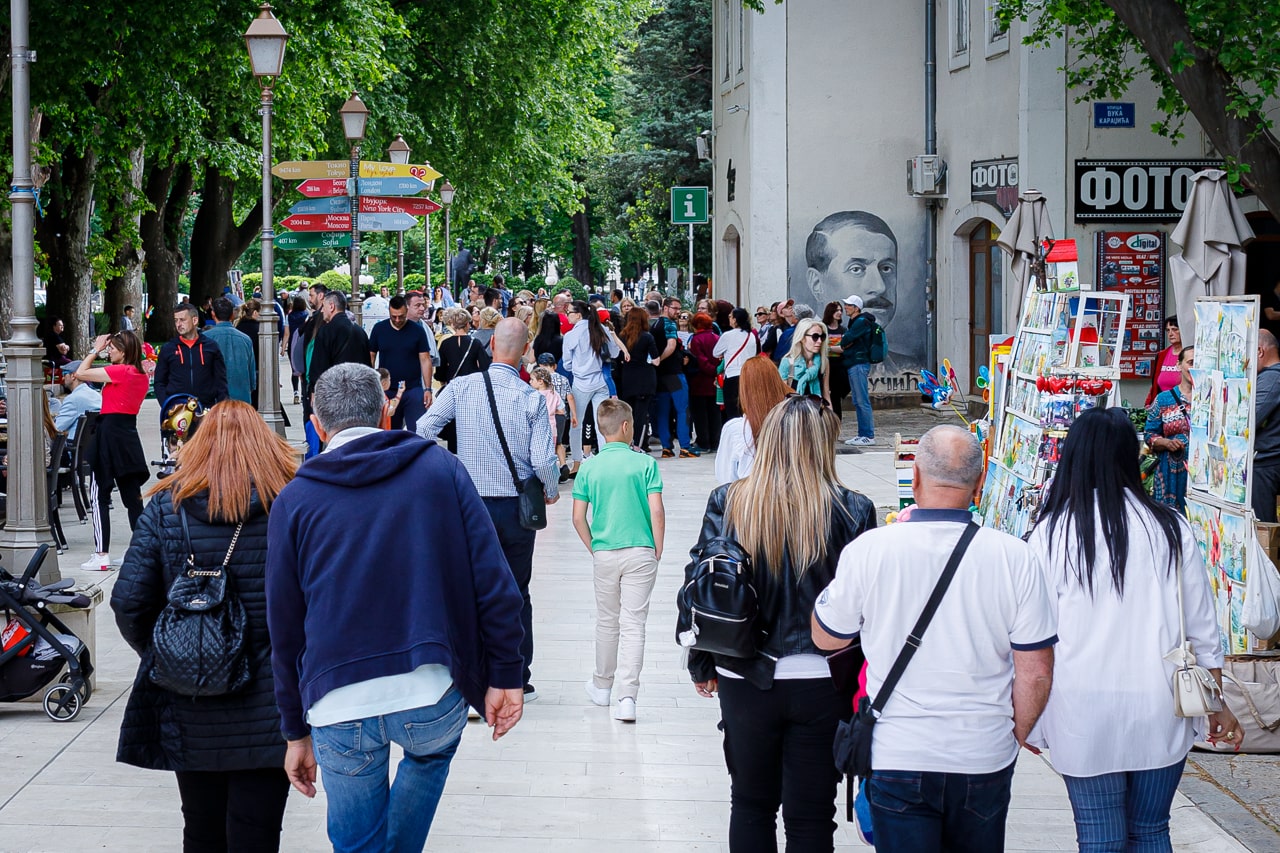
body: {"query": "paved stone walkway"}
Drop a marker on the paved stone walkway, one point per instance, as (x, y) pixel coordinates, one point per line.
(569, 778)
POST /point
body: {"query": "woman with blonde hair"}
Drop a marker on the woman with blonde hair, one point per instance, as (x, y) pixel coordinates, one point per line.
(225, 750)
(486, 322)
(804, 368)
(760, 388)
(780, 708)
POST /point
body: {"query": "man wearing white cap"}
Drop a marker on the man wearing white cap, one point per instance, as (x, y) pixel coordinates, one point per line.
(856, 344)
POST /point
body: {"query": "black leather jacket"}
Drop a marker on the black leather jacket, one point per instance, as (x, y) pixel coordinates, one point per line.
(785, 608)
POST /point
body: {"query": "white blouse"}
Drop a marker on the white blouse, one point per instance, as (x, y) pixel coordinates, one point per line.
(1111, 706)
(737, 451)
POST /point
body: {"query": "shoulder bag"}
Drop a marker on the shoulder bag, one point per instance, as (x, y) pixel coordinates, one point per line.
(198, 642)
(1195, 691)
(533, 501)
(852, 747)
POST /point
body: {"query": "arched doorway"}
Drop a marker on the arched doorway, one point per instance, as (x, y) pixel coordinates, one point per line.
(986, 296)
(732, 282)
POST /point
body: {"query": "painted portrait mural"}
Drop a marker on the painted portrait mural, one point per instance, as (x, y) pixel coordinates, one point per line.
(854, 251)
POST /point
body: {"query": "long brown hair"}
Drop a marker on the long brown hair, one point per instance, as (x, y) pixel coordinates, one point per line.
(760, 388)
(637, 324)
(232, 453)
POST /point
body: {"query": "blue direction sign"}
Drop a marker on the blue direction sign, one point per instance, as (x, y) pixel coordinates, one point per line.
(341, 204)
(391, 186)
(387, 221)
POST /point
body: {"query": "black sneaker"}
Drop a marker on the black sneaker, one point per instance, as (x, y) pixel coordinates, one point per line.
(564, 473)
(530, 693)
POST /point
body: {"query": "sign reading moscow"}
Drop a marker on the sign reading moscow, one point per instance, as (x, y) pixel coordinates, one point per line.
(1149, 190)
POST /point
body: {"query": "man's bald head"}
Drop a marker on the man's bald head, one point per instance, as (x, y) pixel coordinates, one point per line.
(948, 460)
(510, 339)
(1267, 342)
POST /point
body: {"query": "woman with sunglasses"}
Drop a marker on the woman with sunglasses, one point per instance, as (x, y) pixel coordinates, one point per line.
(116, 459)
(780, 708)
(838, 380)
(703, 409)
(804, 368)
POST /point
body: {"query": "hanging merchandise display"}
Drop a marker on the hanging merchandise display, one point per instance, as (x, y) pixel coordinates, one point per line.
(1133, 262)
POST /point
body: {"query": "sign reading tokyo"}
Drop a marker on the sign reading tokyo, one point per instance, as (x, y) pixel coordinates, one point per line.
(1126, 190)
(995, 182)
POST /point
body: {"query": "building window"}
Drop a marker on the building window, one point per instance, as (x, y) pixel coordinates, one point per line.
(741, 37)
(997, 33)
(727, 42)
(959, 34)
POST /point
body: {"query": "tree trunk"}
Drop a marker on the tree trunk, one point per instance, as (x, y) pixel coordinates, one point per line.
(1162, 28)
(125, 288)
(168, 189)
(527, 264)
(217, 242)
(582, 244)
(63, 234)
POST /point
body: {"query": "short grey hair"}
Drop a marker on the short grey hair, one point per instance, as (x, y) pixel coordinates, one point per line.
(653, 306)
(950, 456)
(337, 298)
(802, 312)
(348, 395)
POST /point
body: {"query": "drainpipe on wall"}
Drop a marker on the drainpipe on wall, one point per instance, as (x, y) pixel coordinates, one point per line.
(931, 206)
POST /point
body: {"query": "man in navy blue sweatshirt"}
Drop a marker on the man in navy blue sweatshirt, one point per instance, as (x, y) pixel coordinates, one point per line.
(374, 643)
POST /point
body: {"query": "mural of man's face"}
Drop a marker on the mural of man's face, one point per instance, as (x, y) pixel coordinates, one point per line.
(863, 263)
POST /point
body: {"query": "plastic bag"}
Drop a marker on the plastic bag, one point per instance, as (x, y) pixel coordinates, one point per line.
(1261, 610)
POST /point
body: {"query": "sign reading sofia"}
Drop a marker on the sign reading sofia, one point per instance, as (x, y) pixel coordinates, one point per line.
(1127, 190)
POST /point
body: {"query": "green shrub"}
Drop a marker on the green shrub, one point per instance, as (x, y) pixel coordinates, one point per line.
(573, 286)
(184, 284)
(333, 280)
(251, 281)
(534, 283)
(414, 281)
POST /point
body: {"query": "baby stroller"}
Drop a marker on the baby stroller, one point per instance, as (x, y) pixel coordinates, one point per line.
(179, 416)
(33, 654)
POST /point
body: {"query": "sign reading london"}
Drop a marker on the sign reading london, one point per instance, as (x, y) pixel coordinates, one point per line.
(1126, 190)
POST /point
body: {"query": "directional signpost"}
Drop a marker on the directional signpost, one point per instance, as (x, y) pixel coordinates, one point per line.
(393, 204)
(338, 204)
(391, 186)
(323, 188)
(374, 169)
(689, 207)
(386, 221)
(314, 240)
(318, 222)
(295, 170)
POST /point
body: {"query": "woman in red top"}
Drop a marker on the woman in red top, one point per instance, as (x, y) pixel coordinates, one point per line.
(1165, 371)
(116, 458)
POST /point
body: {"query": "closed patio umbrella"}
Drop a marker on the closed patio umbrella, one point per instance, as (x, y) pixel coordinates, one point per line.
(1022, 235)
(1212, 233)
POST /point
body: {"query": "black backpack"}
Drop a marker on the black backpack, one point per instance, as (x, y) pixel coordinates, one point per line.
(718, 604)
(879, 347)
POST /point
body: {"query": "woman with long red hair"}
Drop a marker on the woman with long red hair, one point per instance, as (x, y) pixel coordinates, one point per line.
(760, 388)
(226, 750)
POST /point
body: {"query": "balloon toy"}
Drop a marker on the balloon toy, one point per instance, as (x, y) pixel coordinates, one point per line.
(983, 381)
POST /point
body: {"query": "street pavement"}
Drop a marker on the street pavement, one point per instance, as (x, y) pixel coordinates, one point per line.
(568, 778)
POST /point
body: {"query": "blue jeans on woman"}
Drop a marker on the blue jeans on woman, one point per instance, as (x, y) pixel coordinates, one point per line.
(1124, 811)
(366, 815)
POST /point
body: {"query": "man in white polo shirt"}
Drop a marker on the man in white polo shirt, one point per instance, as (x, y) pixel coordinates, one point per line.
(944, 747)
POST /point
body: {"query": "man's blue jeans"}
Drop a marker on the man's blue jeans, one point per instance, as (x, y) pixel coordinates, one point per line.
(366, 815)
(921, 812)
(662, 403)
(1124, 811)
(860, 390)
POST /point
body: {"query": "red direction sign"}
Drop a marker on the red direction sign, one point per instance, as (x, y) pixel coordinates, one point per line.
(398, 204)
(323, 187)
(318, 222)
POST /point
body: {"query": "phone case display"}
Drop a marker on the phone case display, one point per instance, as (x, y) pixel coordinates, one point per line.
(1220, 447)
(1133, 262)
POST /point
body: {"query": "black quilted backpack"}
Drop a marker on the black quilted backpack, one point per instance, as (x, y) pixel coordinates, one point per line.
(718, 604)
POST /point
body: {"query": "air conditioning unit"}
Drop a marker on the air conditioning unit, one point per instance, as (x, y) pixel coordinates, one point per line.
(926, 175)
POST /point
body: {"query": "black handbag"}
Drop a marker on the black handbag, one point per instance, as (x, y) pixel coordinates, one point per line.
(718, 605)
(198, 642)
(533, 500)
(852, 746)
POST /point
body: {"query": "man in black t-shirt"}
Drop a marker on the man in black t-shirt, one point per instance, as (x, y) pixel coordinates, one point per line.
(406, 354)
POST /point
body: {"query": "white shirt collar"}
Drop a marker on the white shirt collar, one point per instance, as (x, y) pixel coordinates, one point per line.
(347, 436)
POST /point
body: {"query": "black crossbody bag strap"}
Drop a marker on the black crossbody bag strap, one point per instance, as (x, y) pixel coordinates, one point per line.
(926, 616)
(497, 425)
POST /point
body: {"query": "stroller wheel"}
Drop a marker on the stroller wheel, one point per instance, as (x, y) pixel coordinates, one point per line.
(84, 689)
(61, 703)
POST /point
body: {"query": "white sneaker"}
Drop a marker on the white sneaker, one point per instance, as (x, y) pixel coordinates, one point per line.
(859, 441)
(598, 695)
(96, 563)
(625, 710)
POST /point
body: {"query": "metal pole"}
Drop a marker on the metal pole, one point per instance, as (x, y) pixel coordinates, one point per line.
(354, 189)
(688, 281)
(268, 334)
(448, 257)
(426, 226)
(28, 501)
(399, 261)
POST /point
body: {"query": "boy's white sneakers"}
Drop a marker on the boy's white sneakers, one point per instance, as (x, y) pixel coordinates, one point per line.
(625, 710)
(597, 695)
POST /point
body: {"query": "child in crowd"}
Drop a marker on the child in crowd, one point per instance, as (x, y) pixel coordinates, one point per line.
(393, 402)
(624, 535)
(541, 381)
(560, 385)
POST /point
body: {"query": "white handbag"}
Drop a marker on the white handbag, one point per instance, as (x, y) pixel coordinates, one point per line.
(1195, 691)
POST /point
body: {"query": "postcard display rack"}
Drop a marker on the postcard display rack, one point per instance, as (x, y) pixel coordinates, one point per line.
(1220, 456)
(1065, 360)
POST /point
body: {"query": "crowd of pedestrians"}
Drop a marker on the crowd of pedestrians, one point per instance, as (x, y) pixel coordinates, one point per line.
(1055, 644)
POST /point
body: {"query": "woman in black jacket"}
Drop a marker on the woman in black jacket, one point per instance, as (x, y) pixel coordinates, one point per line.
(636, 377)
(779, 708)
(227, 751)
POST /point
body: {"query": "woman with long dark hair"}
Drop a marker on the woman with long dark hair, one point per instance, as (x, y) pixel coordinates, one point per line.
(297, 320)
(734, 348)
(1112, 557)
(548, 339)
(637, 379)
(837, 376)
(586, 348)
(116, 459)
(780, 708)
(226, 750)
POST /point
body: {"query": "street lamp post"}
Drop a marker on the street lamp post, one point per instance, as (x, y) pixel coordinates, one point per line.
(265, 40)
(355, 115)
(28, 501)
(427, 290)
(398, 152)
(446, 198)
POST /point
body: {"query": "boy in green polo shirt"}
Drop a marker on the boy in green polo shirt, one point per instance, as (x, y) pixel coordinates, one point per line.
(624, 537)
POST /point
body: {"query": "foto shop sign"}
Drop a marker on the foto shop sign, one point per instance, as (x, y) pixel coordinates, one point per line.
(1147, 190)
